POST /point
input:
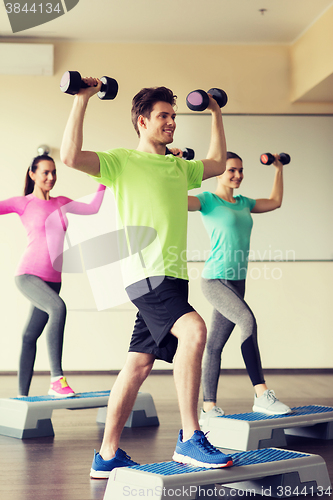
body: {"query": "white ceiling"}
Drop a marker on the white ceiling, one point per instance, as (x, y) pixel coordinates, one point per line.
(177, 21)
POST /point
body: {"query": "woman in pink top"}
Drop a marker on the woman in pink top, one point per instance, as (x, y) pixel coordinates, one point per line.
(39, 272)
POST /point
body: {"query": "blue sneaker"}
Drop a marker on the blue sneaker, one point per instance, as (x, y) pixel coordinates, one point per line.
(198, 451)
(101, 469)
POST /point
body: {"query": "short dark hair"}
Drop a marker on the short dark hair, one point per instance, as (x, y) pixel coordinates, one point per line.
(230, 155)
(144, 101)
(29, 183)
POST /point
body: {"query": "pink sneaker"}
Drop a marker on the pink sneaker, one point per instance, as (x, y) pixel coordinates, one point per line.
(61, 389)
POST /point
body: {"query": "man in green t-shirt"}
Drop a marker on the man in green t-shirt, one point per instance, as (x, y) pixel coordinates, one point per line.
(150, 189)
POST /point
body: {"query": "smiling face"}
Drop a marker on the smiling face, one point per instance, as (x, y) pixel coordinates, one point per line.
(45, 175)
(160, 126)
(233, 174)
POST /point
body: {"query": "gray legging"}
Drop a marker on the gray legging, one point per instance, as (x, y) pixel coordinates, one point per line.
(230, 309)
(47, 307)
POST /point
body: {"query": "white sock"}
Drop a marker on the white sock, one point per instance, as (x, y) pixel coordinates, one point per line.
(54, 379)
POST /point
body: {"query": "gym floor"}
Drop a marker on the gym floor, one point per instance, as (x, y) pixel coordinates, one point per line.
(58, 468)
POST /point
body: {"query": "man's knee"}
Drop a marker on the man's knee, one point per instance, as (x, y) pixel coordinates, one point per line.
(140, 364)
(191, 328)
(200, 334)
(145, 369)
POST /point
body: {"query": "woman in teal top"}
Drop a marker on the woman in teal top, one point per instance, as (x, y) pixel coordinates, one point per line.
(228, 221)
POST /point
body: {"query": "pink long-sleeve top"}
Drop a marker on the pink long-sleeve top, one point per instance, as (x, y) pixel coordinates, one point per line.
(46, 223)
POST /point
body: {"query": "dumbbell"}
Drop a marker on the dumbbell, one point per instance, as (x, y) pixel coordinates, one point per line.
(198, 100)
(71, 83)
(268, 158)
(188, 153)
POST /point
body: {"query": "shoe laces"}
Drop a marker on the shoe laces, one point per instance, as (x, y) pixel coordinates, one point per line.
(271, 396)
(206, 445)
(127, 457)
(63, 382)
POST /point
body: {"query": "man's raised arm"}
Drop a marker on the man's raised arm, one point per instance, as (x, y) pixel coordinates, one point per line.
(71, 153)
(216, 159)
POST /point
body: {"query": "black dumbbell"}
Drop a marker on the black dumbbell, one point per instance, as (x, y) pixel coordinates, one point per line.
(198, 100)
(71, 83)
(268, 158)
(188, 153)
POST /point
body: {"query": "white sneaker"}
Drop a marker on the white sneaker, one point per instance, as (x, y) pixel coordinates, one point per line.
(214, 412)
(269, 404)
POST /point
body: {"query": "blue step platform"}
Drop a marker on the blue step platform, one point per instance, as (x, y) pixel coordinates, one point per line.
(251, 431)
(30, 417)
(270, 472)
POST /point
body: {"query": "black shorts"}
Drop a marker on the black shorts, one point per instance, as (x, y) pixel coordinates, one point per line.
(161, 301)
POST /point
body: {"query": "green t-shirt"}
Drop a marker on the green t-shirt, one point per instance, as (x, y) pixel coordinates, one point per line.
(151, 198)
(229, 227)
